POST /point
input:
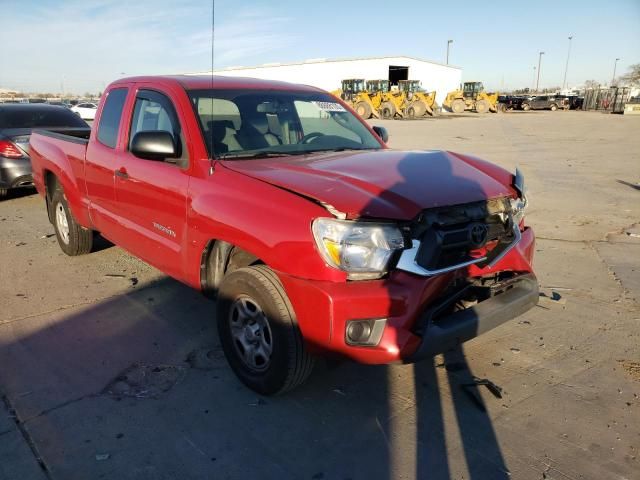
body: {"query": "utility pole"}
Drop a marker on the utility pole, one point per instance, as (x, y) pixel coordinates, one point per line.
(566, 67)
(615, 64)
(539, 62)
(534, 78)
(449, 42)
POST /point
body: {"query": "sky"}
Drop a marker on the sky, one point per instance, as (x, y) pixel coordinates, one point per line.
(79, 46)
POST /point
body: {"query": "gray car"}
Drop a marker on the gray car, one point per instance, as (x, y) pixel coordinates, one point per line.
(16, 124)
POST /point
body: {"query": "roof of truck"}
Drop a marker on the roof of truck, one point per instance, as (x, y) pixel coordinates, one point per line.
(197, 82)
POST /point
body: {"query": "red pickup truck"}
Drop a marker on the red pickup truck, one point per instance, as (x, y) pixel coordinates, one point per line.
(282, 204)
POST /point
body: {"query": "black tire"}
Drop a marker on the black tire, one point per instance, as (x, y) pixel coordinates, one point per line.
(77, 240)
(482, 106)
(363, 109)
(290, 363)
(411, 112)
(4, 192)
(387, 110)
(458, 106)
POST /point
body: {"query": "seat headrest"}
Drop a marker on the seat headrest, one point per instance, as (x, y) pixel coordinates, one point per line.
(218, 128)
(260, 123)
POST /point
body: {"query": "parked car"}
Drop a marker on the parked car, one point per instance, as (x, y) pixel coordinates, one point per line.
(281, 203)
(17, 121)
(86, 111)
(507, 103)
(545, 102)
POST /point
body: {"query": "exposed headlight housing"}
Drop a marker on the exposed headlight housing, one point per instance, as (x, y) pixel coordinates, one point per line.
(362, 249)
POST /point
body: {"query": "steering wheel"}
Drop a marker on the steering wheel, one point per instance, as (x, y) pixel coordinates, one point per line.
(310, 136)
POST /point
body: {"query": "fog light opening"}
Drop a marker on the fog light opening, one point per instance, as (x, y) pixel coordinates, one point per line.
(364, 332)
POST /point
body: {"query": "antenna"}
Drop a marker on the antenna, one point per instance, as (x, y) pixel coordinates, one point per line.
(213, 22)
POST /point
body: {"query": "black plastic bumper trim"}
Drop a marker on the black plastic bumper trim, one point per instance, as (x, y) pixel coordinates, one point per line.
(448, 332)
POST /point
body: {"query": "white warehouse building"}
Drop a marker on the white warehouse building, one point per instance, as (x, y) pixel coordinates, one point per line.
(327, 74)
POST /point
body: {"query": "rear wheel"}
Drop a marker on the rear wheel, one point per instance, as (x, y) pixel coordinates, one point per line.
(363, 109)
(387, 110)
(259, 333)
(458, 106)
(72, 238)
(482, 106)
(554, 107)
(526, 107)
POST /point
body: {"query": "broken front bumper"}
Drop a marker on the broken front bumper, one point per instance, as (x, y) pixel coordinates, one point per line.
(438, 336)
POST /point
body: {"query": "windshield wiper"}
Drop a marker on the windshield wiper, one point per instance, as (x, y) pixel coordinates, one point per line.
(242, 155)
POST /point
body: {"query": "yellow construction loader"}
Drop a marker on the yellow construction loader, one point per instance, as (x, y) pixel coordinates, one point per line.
(393, 103)
(353, 92)
(419, 102)
(471, 97)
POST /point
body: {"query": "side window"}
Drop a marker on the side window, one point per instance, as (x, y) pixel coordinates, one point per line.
(154, 112)
(110, 117)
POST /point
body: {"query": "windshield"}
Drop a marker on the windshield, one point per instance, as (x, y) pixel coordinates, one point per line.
(254, 123)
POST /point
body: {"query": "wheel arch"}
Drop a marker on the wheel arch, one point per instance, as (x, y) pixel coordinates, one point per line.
(218, 258)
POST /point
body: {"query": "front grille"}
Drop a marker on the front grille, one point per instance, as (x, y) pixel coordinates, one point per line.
(453, 235)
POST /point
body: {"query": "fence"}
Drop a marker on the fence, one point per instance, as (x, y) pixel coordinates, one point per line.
(606, 99)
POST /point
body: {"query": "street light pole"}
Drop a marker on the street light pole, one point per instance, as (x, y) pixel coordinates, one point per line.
(534, 78)
(615, 64)
(449, 42)
(539, 62)
(566, 67)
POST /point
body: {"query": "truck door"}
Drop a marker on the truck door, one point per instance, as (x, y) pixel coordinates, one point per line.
(101, 160)
(151, 195)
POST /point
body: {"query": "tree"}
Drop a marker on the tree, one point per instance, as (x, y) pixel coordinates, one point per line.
(591, 84)
(633, 75)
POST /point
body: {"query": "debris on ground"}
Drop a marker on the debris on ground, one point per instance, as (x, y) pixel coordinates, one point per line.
(339, 391)
(258, 403)
(48, 235)
(144, 381)
(102, 456)
(114, 275)
(515, 350)
(471, 389)
(134, 281)
(632, 368)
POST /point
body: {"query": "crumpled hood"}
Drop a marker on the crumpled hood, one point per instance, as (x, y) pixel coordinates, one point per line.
(379, 184)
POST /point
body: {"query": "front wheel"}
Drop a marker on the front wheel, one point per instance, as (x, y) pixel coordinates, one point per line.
(72, 237)
(363, 109)
(526, 107)
(554, 108)
(458, 106)
(259, 333)
(387, 110)
(482, 106)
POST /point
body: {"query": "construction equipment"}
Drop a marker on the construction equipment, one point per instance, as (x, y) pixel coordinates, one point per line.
(419, 102)
(471, 97)
(353, 92)
(394, 103)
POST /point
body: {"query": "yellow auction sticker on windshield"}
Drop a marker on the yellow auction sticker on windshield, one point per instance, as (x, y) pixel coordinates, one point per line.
(329, 106)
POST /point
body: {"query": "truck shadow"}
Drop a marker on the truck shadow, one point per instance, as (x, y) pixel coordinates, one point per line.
(72, 380)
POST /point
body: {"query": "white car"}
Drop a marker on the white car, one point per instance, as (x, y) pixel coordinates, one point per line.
(86, 111)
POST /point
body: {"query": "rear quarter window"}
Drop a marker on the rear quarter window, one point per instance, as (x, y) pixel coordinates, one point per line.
(111, 116)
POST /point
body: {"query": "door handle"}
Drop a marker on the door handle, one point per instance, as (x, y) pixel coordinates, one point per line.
(122, 173)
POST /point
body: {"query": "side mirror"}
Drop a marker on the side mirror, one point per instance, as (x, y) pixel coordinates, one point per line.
(382, 133)
(153, 145)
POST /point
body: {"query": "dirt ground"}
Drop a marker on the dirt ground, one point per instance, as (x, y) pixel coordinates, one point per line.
(111, 370)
